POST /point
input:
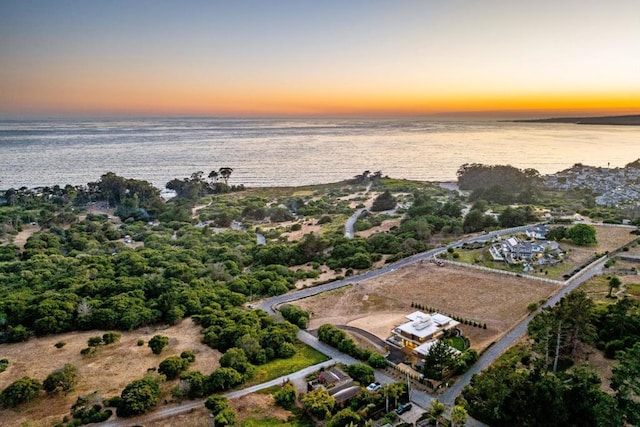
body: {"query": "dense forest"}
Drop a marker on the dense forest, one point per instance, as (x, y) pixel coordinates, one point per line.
(544, 382)
(80, 271)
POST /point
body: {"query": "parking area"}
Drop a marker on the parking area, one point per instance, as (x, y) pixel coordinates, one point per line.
(412, 415)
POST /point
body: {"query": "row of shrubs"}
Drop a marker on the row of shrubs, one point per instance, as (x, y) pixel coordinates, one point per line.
(337, 338)
(462, 320)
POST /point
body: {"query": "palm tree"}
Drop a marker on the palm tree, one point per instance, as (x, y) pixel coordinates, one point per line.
(436, 411)
(394, 390)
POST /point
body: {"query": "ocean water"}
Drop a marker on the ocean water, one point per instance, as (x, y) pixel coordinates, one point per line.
(291, 152)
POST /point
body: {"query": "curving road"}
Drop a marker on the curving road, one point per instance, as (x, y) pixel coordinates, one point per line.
(351, 222)
(183, 407)
(269, 304)
(509, 339)
(420, 398)
(491, 354)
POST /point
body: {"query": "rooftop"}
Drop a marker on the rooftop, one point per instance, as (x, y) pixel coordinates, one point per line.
(423, 325)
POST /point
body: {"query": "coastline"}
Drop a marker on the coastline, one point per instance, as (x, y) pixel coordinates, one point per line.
(628, 120)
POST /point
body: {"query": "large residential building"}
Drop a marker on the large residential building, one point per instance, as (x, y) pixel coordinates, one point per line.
(514, 251)
(534, 251)
(421, 328)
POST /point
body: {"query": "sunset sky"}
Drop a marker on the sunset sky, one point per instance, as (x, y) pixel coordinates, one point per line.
(319, 57)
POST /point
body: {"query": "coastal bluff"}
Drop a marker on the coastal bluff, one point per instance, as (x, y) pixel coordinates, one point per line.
(628, 120)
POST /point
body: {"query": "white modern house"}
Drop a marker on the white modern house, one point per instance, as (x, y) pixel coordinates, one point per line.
(421, 328)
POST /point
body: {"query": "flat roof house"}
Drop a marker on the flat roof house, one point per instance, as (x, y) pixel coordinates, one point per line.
(421, 328)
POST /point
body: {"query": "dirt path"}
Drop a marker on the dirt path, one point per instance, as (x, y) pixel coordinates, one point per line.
(21, 238)
(195, 209)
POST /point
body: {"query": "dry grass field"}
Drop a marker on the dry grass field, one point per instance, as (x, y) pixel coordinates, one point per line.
(609, 238)
(255, 406)
(378, 304)
(107, 372)
(498, 300)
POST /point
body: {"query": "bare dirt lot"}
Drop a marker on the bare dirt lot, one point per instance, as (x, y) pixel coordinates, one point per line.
(21, 238)
(256, 406)
(107, 372)
(377, 305)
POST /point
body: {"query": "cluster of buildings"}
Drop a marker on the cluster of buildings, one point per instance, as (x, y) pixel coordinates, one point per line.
(613, 187)
(338, 384)
(533, 252)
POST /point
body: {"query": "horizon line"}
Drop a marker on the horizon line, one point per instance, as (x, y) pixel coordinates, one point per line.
(464, 114)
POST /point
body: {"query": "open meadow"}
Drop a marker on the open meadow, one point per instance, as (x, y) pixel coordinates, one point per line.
(377, 305)
(107, 372)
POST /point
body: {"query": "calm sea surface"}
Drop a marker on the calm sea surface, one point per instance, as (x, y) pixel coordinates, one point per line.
(289, 152)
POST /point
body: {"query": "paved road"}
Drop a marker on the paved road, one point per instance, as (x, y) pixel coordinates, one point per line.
(183, 407)
(269, 304)
(351, 222)
(420, 398)
(491, 354)
(304, 336)
(496, 350)
(349, 233)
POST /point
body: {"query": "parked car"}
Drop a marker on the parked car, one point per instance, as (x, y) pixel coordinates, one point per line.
(374, 387)
(403, 408)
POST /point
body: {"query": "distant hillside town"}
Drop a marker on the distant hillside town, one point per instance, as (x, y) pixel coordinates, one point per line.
(612, 186)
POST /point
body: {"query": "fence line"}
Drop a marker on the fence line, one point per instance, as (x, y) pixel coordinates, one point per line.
(508, 273)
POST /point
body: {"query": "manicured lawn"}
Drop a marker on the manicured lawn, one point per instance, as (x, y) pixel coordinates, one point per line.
(458, 343)
(470, 256)
(305, 356)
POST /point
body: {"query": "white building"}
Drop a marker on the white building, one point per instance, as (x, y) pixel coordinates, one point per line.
(422, 328)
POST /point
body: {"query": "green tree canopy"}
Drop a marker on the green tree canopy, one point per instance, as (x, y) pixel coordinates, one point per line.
(361, 373)
(216, 404)
(582, 234)
(384, 202)
(171, 367)
(62, 380)
(235, 358)
(138, 397)
(626, 382)
(318, 403)
(157, 343)
(286, 396)
(295, 315)
(343, 418)
(20, 391)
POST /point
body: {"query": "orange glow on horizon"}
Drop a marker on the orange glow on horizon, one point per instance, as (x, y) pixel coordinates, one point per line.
(155, 96)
